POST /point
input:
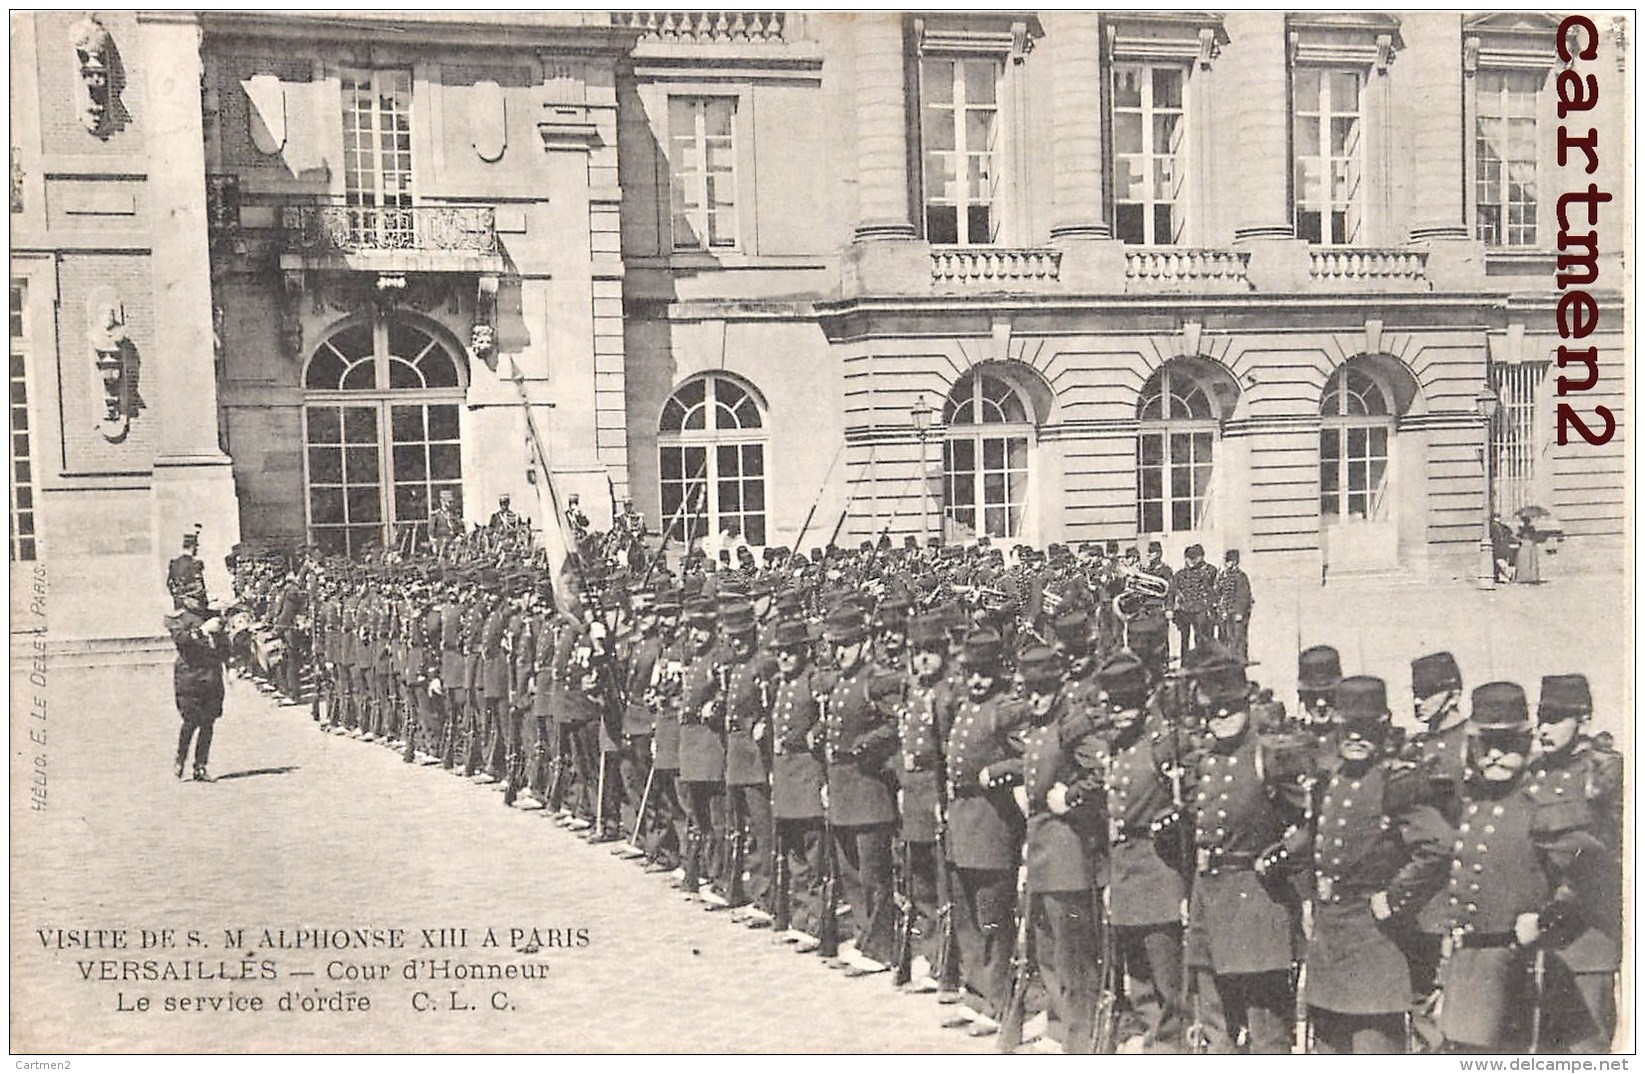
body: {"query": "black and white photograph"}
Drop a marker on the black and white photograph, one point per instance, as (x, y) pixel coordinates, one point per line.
(822, 532)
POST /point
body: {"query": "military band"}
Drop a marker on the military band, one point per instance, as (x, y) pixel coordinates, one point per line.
(954, 777)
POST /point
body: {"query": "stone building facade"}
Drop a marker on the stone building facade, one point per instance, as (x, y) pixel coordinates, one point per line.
(1238, 279)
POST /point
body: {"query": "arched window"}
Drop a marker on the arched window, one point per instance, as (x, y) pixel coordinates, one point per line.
(1356, 418)
(1179, 418)
(986, 437)
(711, 461)
(382, 432)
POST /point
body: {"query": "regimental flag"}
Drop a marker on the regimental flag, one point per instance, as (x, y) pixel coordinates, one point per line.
(562, 562)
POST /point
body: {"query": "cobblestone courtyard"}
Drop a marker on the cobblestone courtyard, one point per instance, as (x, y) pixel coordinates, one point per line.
(307, 831)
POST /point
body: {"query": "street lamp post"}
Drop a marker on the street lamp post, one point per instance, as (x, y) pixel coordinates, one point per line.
(1485, 402)
(921, 415)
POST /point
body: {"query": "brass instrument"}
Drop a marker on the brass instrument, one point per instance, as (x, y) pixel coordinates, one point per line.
(1143, 592)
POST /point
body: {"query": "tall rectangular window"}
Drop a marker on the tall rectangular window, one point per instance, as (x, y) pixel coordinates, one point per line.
(1505, 157)
(1513, 433)
(1328, 154)
(377, 157)
(24, 533)
(1148, 171)
(702, 155)
(961, 149)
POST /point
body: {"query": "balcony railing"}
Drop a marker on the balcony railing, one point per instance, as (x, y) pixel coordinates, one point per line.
(705, 27)
(1342, 264)
(1186, 268)
(984, 266)
(354, 229)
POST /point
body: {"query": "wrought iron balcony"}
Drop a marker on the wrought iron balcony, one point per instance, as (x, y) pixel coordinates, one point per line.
(356, 229)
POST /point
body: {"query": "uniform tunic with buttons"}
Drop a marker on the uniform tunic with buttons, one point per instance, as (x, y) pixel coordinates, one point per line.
(1064, 750)
(451, 645)
(985, 827)
(1511, 856)
(494, 665)
(748, 695)
(640, 664)
(522, 648)
(1375, 832)
(665, 741)
(573, 656)
(702, 744)
(1593, 777)
(796, 767)
(383, 630)
(922, 724)
(546, 693)
(474, 620)
(1144, 888)
(1245, 800)
(1444, 754)
(859, 737)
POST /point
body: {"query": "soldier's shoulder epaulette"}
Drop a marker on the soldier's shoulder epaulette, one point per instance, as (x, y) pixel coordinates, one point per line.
(1554, 812)
(1408, 783)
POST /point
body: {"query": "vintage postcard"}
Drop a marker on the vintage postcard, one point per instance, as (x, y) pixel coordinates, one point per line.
(822, 532)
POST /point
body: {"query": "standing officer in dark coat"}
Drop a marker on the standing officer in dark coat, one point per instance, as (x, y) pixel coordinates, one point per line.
(197, 678)
(1380, 849)
(1442, 749)
(1192, 599)
(702, 748)
(747, 781)
(1147, 892)
(1233, 605)
(1584, 954)
(986, 828)
(1243, 921)
(860, 737)
(797, 779)
(1061, 754)
(1514, 891)
(185, 573)
(923, 722)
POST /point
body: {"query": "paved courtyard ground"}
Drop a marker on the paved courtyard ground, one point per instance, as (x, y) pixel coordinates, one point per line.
(304, 831)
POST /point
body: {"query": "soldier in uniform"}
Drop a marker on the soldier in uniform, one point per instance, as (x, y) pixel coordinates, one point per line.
(453, 692)
(1319, 671)
(1193, 598)
(797, 780)
(922, 725)
(475, 612)
(1380, 850)
(1061, 754)
(493, 685)
(747, 781)
(1242, 921)
(1513, 893)
(986, 827)
(702, 748)
(667, 839)
(185, 573)
(1142, 785)
(1233, 604)
(637, 656)
(1584, 951)
(860, 737)
(197, 678)
(1442, 749)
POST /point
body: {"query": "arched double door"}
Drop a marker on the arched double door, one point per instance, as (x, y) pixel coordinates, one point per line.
(382, 431)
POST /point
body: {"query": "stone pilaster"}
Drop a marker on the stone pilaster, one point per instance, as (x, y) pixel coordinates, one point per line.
(1253, 75)
(193, 481)
(882, 127)
(1433, 61)
(1073, 41)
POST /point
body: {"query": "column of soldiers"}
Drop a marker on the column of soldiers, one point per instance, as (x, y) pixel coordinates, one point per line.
(996, 784)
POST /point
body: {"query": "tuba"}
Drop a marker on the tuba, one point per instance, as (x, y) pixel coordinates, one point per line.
(1143, 592)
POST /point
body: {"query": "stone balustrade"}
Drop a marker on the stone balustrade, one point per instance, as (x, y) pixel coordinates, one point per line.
(1355, 265)
(1170, 268)
(987, 267)
(705, 27)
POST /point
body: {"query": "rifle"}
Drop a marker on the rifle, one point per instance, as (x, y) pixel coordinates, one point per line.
(1016, 1007)
(947, 967)
(828, 928)
(782, 911)
(645, 798)
(1539, 970)
(902, 956)
(1105, 1019)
